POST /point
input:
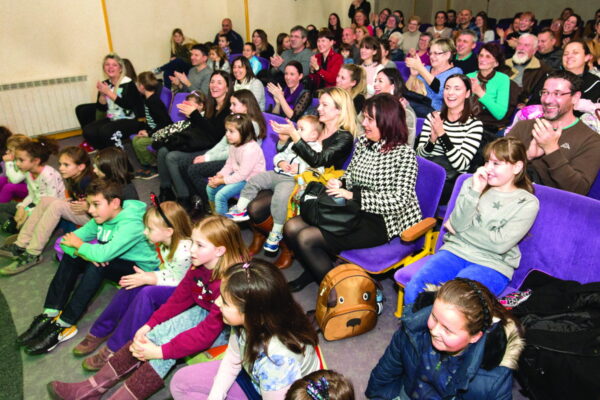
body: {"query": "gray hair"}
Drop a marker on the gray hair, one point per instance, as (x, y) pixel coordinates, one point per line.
(469, 32)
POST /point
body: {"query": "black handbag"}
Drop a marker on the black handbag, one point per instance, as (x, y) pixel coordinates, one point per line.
(337, 216)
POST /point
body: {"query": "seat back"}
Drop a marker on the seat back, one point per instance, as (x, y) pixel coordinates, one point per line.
(174, 112)
(404, 70)
(269, 143)
(233, 57)
(594, 192)
(478, 47)
(269, 100)
(264, 62)
(314, 103)
(430, 182)
(166, 96)
(564, 240)
(419, 126)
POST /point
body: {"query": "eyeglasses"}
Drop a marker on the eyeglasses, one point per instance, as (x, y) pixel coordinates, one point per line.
(437, 53)
(554, 94)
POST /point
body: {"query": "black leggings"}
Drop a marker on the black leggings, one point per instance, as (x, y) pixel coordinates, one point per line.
(259, 209)
(309, 247)
(105, 133)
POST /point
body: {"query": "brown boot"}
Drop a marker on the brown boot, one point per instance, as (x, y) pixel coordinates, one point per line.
(90, 389)
(260, 232)
(97, 361)
(88, 345)
(142, 384)
(286, 257)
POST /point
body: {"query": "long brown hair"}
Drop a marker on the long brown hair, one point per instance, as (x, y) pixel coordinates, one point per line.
(253, 110)
(114, 164)
(221, 231)
(79, 156)
(511, 150)
(178, 218)
(338, 386)
(259, 290)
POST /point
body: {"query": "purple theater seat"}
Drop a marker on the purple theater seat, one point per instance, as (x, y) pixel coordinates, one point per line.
(314, 103)
(166, 96)
(174, 112)
(478, 46)
(430, 181)
(419, 126)
(233, 57)
(264, 62)
(404, 70)
(594, 192)
(563, 242)
(269, 100)
(269, 143)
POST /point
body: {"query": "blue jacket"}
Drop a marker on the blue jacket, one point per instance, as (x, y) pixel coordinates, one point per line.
(399, 365)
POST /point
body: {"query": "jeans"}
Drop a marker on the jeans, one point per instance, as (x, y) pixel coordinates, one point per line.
(444, 266)
(222, 193)
(128, 311)
(65, 278)
(106, 133)
(165, 332)
(171, 164)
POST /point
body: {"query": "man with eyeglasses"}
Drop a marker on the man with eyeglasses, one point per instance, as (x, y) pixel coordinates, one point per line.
(562, 151)
(526, 70)
(298, 52)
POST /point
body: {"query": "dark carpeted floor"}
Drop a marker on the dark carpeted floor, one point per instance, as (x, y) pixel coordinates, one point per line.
(11, 367)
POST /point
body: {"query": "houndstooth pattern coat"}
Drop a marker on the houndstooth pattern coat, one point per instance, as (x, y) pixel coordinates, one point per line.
(386, 182)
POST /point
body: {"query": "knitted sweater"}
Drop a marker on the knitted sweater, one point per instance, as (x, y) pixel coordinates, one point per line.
(257, 89)
(196, 288)
(497, 94)
(384, 183)
(47, 184)
(574, 166)
(199, 80)
(488, 227)
(243, 162)
(459, 144)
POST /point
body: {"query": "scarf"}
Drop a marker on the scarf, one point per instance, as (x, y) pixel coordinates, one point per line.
(290, 97)
(476, 106)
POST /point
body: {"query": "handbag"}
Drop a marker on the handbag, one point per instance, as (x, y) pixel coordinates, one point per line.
(335, 215)
(303, 179)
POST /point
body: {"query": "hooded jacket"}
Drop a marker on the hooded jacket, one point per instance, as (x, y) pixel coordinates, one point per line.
(121, 237)
(397, 369)
(533, 79)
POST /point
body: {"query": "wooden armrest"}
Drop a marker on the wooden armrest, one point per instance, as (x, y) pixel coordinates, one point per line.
(418, 229)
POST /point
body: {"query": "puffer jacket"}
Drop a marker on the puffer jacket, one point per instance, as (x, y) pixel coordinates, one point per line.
(486, 371)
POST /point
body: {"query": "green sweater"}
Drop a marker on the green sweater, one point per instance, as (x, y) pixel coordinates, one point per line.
(488, 227)
(497, 94)
(121, 237)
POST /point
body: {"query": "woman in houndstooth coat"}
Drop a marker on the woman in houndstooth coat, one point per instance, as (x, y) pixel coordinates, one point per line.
(381, 178)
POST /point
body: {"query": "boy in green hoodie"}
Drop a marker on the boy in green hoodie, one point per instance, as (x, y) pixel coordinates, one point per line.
(119, 229)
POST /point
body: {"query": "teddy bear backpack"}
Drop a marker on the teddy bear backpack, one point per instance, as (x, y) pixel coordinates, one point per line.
(348, 302)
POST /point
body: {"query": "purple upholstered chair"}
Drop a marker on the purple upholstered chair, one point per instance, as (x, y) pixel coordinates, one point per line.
(269, 100)
(404, 70)
(166, 96)
(269, 143)
(233, 57)
(419, 126)
(174, 112)
(264, 62)
(594, 192)
(398, 253)
(563, 242)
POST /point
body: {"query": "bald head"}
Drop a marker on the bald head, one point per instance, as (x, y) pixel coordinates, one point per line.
(226, 25)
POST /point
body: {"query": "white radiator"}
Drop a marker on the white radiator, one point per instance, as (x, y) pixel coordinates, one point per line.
(42, 107)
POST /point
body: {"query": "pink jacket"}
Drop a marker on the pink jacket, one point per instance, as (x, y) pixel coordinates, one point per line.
(243, 163)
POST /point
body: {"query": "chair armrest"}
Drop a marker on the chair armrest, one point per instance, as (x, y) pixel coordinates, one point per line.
(418, 229)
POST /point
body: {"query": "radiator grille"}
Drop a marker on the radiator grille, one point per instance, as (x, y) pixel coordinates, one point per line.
(42, 107)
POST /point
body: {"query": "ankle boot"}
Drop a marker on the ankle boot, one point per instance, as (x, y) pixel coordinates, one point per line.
(142, 384)
(260, 232)
(286, 257)
(91, 389)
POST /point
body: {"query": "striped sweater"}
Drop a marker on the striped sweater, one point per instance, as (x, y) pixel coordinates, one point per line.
(459, 144)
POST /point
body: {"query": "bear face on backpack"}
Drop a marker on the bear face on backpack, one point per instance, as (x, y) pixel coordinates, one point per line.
(348, 302)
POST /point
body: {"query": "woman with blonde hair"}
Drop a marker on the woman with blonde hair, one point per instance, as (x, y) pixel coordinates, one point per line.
(120, 101)
(179, 60)
(353, 78)
(337, 114)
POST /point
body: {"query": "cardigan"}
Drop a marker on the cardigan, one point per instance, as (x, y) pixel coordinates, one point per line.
(497, 94)
(383, 182)
(48, 183)
(257, 89)
(243, 163)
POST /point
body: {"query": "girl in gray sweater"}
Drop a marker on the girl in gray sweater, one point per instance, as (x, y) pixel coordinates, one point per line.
(494, 210)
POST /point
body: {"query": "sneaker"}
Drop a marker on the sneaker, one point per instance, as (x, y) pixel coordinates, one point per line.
(272, 243)
(88, 345)
(145, 174)
(22, 263)
(10, 249)
(237, 215)
(50, 338)
(38, 324)
(97, 361)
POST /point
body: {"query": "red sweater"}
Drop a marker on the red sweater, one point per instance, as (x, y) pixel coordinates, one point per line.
(326, 76)
(196, 288)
